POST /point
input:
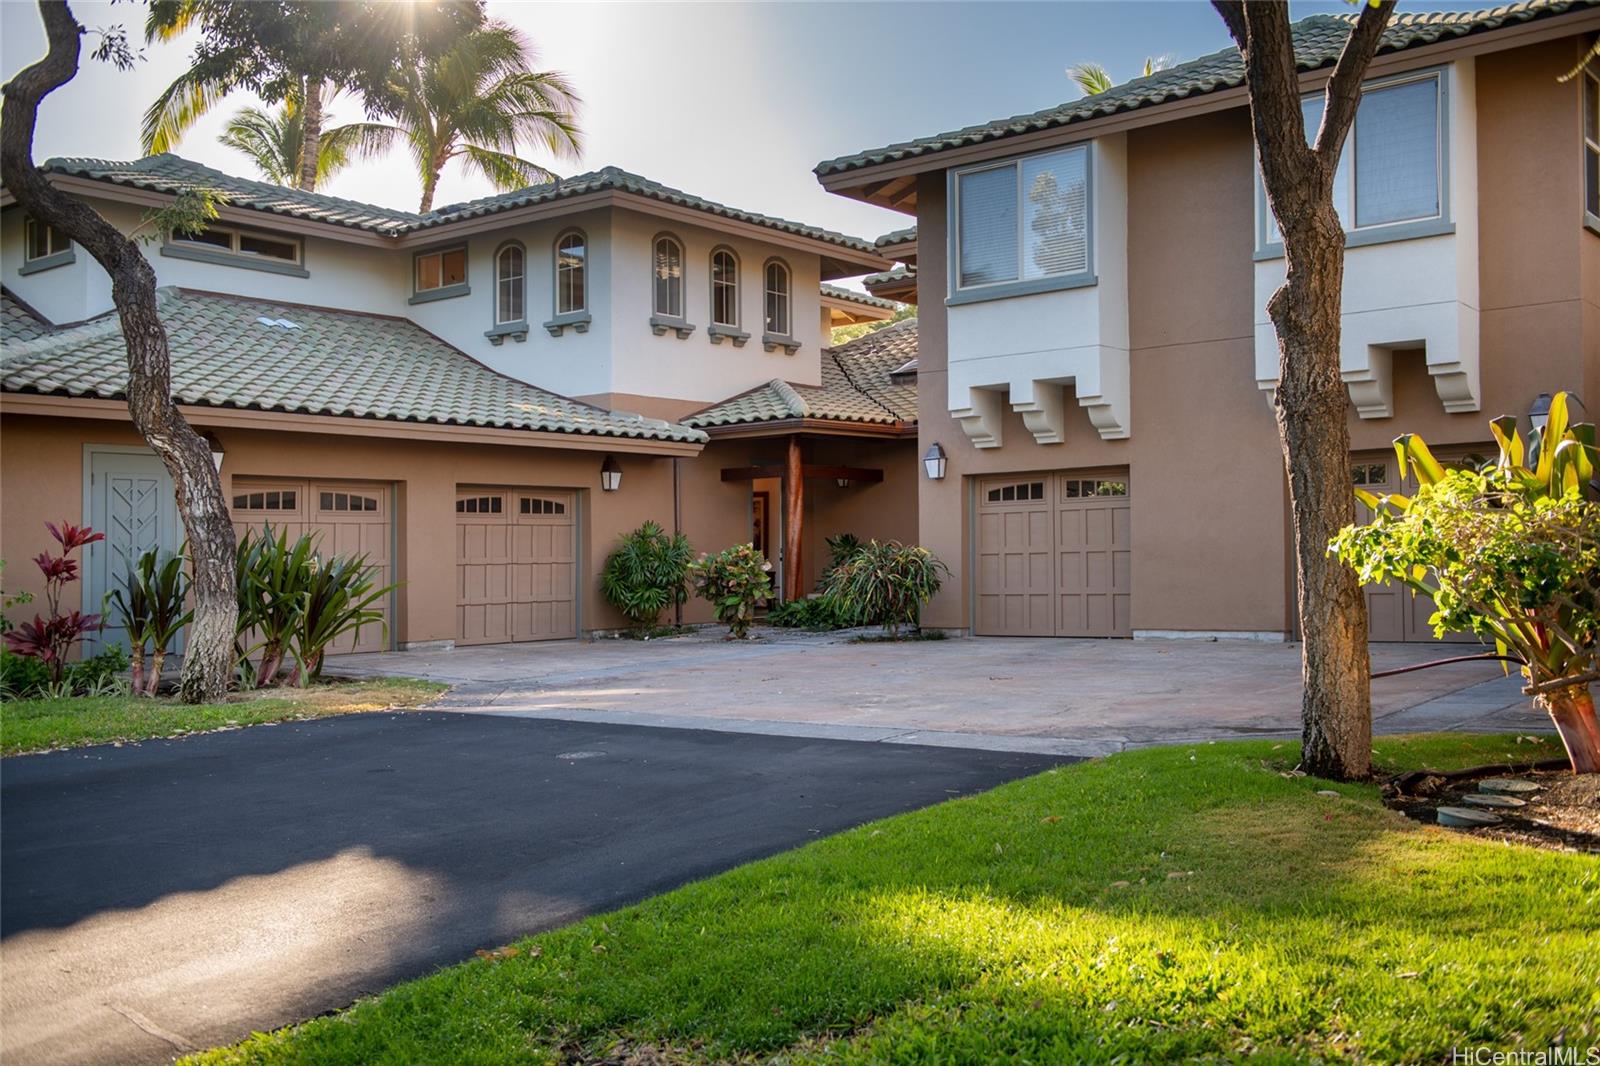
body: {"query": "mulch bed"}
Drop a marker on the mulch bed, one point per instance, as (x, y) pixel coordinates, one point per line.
(1564, 814)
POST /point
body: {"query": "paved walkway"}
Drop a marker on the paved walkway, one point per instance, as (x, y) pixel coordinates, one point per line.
(1074, 697)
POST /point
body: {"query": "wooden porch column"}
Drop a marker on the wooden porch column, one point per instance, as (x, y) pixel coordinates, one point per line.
(794, 506)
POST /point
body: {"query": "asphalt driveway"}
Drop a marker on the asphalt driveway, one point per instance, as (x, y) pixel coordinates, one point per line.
(172, 895)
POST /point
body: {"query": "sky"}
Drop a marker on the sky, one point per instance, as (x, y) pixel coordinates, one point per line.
(736, 102)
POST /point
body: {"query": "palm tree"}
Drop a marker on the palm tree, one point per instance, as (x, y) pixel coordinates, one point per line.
(479, 101)
(274, 141)
(1093, 78)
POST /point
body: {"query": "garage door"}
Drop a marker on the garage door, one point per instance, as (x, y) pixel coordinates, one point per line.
(1054, 556)
(347, 518)
(1394, 612)
(516, 565)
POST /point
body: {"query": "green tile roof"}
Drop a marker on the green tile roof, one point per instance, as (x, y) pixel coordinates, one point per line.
(18, 321)
(231, 351)
(899, 236)
(1317, 43)
(173, 174)
(857, 386)
(899, 273)
(839, 292)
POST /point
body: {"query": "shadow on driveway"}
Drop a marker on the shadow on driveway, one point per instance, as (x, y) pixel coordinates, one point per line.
(179, 894)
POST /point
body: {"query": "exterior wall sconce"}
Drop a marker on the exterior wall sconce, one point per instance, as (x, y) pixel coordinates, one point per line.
(610, 475)
(216, 449)
(934, 462)
(1539, 413)
(842, 482)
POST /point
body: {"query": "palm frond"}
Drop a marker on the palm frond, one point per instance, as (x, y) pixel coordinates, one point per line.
(505, 172)
(180, 105)
(271, 142)
(1092, 78)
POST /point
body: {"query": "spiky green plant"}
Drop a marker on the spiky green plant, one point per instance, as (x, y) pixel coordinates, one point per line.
(885, 583)
(647, 573)
(152, 605)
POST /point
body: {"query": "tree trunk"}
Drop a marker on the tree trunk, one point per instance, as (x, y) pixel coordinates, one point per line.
(794, 512)
(137, 668)
(310, 135)
(1572, 711)
(430, 185)
(1311, 405)
(208, 664)
(158, 662)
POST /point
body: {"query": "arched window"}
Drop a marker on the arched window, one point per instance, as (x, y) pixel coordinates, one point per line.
(572, 273)
(510, 276)
(724, 288)
(668, 275)
(777, 298)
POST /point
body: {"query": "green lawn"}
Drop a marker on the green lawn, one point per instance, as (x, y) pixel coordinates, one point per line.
(39, 725)
(1165, 904)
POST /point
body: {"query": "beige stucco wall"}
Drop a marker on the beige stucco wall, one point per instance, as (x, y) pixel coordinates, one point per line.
(1211, 550)
(41, 479)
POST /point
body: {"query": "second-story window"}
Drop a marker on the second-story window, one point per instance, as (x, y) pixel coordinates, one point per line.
(510, 281)
(1591, 142)
(248, 244)
(441, 270)
(667, 271)
(1392, 169)
(572, 262)
(724, 288)
(42, 240)
(1023, 220)
(777, 298)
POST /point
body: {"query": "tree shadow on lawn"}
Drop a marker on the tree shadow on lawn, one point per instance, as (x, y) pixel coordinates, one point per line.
(995, 927)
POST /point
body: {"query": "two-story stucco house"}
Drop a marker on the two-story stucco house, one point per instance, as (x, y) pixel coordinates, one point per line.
(481, 398)
(1096, 363)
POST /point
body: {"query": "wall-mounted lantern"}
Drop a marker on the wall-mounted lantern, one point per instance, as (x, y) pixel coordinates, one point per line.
(216, 449)
(610, 475)
(934, 462)
(842, 482)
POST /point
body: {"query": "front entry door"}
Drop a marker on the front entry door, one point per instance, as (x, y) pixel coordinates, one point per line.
(131, 501)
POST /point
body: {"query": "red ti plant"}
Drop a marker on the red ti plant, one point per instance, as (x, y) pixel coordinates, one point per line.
(51, 640)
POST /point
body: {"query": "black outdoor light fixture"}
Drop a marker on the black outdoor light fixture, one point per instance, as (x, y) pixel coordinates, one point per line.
(216, 449)
(1539, 413)
(610, 475)
(842, 482)
(934, 462)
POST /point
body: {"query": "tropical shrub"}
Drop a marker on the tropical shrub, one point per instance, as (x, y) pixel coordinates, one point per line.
(816, 613)
(341, 597)
(1511, 553)
(152, 606)
(840, 548)
(736, 581)
(51, 640)
(294, 604)
(647, 573)
(885, 584)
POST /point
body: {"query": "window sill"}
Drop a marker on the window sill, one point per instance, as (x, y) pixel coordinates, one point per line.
(449, 292)
(517, 331)
(659, 324)
(1366, 238)
(49, 262)
(1006, 290)
(1591, 222)
(720, 333)
(769, 341)
(206, 255)
(577, 320)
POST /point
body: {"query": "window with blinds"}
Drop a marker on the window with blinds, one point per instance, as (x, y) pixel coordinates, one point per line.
(1591, 141)
(1392, 167)
(1023, 220)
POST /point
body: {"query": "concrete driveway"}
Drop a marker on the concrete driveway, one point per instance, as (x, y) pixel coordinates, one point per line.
(1080, 697)
(173, 895)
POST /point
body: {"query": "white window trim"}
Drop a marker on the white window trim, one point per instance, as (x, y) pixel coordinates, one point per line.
(559, 270)
(1383, 232)
(656, 311)
(722, 250)
(772, 337)
(500, 318)
(1020, 286)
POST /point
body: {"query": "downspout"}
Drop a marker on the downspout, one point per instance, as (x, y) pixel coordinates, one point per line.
(677, 523)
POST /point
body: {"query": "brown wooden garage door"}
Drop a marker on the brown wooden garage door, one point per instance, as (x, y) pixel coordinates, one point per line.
(1054, 556)
(1394, 612)
(347, 518)
(516, 565)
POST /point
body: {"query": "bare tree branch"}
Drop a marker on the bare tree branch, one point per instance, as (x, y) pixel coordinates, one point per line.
(1344, 86)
